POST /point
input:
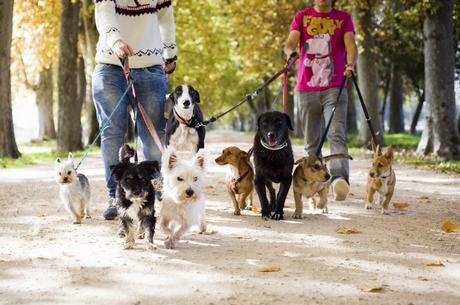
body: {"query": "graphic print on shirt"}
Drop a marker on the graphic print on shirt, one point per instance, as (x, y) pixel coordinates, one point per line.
(318, 49)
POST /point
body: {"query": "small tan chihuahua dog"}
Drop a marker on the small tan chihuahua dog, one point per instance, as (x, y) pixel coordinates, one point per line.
(311, 177)
(240, 177)
(381, 179)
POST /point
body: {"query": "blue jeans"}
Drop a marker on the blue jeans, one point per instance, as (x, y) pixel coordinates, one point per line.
(109, 84)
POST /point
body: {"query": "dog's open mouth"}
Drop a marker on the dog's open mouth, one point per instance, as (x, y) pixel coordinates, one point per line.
(272, 142)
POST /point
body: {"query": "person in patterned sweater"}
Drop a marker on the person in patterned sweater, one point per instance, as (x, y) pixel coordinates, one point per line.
(143, 30)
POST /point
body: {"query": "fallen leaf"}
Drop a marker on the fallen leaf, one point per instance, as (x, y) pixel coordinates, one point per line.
(448, 226)
(242, 237)
(66, 254)
(400, 205)
(268, 269)
(347, 230)
(254, 209)
(434, 264)
(41, 215)
(422, 278)
(209, 186)
(351, 194)
(373, 289)
(423, 197)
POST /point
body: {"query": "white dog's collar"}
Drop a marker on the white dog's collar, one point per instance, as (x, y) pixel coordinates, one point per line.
(278, 147)
(184, 114)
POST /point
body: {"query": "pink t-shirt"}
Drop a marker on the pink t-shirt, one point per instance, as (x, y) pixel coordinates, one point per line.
(322, 51)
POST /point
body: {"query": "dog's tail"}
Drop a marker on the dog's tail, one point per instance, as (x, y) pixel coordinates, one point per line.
(125, 153)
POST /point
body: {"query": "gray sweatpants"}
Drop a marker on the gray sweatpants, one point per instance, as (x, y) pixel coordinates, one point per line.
(313, 107)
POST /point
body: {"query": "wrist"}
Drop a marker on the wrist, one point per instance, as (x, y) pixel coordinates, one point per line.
(170, 60)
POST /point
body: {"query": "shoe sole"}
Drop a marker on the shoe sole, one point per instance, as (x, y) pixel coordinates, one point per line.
(340, 190)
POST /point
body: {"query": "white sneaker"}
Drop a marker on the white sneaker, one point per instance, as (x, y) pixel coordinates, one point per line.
(340, 188)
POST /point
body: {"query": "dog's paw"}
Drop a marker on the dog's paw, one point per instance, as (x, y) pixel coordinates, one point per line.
(128, 245)
(368, 206)
(88, 217)
(169, 243)
(150, 246)
(237, 212)
(385, 211)
(77, 221)
(325, 211)
(121, 233)
(141, 235)
(297, 215)
(202, 229)
(277, 216)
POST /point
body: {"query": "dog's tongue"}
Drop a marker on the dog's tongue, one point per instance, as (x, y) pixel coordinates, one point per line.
(272, 142)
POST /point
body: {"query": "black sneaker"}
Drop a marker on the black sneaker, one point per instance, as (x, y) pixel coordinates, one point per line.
(111, 212)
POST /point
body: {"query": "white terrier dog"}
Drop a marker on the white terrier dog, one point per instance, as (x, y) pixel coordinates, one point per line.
(183, 200)
(74, 189)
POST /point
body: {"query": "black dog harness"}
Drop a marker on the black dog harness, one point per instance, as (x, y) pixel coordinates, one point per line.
(192, 122)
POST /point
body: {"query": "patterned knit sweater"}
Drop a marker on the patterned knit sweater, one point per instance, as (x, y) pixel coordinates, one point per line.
(147, 26)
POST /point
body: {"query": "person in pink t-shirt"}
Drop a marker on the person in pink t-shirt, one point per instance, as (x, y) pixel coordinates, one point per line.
(325, 38)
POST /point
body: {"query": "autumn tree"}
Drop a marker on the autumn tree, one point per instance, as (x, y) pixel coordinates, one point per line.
(8, 147)
(35, 43)
(69, 123)
(440, 135)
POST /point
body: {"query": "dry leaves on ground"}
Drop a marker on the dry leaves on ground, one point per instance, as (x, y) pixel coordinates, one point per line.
(41, 215)
(268, 269)
(373, 289)
(254, 209)
(434, 264)
(347, 230)
(423, 197)
(448, 226)
(400, 205)
(422, 278)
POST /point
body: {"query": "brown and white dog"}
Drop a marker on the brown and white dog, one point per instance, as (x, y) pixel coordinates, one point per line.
(381, 179)
(311, 177)
(240, 178)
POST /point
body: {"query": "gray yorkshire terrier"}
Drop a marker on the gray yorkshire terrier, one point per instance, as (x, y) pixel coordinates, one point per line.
(74, 189)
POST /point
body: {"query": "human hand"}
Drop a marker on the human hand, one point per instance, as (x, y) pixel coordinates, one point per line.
(170, 65)
(291, 58)
(349, 68)
(122, 49)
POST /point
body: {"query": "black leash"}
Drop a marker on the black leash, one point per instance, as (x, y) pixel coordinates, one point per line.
(292, 59)
(363, 105)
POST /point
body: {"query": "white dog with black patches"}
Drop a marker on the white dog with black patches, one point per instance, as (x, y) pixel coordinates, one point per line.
(184, 128)
(182, 205)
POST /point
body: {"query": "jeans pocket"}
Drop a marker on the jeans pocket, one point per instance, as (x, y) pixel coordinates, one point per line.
(156, 70)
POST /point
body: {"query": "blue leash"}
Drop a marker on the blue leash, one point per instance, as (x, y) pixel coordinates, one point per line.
(105, 125)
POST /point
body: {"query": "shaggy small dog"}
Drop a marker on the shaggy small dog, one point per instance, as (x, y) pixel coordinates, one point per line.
(135, 198)
(240, 177)
(74, 189)
(183, 200)
(381, 179)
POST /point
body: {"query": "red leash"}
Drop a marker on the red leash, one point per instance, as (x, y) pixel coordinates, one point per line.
(139, 106)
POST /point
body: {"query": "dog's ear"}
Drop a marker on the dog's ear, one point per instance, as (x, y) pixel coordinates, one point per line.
(200, 158)
(152, 168)
(300, 161)
(116, 171)
(243, 155)
(194, 94)
(377, 151)
(388, 153)
(169, 158)
(337, 156)
(125, 153)
(57, 162)
(70, 157)
(288, 121)
(173, 96)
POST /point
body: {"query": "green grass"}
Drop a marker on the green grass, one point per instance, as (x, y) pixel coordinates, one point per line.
(33, 158)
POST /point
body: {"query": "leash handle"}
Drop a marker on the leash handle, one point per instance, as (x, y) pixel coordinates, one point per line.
(326, 130)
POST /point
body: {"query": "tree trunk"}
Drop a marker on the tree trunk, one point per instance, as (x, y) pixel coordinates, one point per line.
(418, 110)
(368, 78)
(69, 121)
(396, 122)
(44, 101)
(439, 83)
(89, 42)
(8, 147)
(351, 111)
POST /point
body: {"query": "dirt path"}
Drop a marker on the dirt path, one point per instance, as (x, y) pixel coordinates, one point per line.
(46, 260)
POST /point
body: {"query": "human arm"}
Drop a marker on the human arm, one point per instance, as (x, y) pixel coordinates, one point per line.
(168, 33)
(292, 43)
(351, 51)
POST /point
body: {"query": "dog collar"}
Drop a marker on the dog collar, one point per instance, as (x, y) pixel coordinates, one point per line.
(192, 122)
(278, 147)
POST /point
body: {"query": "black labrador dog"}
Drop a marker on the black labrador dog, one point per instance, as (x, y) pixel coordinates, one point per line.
(273, 160)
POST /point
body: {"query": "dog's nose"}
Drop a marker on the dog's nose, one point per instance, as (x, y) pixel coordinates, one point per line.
(271, 135)
(189, 192)
(66, 179)
(327, 176)
(372, 174)
(186, 103)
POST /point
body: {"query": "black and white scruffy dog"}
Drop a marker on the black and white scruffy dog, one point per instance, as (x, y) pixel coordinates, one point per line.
(74, 189)
(184, 128)
(135, 197)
